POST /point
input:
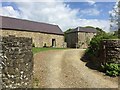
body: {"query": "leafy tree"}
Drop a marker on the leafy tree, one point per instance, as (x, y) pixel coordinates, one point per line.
(99, 31)
(89, 27)
(94, 47)
(68, 30)
(115, 18)
(115, 33)
(119, 19)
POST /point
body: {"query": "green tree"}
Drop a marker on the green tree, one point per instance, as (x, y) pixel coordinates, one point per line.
(115, 18)
(99, 31)
(119, 19)
(89, 27)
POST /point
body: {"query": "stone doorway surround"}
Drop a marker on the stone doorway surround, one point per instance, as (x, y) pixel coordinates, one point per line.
(53, 43)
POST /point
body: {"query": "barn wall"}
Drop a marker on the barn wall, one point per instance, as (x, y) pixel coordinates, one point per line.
(39, 39)
(79, 39)
(71, 39)
(84, 39)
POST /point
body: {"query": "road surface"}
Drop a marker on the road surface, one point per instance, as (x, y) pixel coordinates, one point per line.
(64, 69)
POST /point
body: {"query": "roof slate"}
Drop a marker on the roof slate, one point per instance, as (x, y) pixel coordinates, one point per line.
(26, 25)
(83, 29)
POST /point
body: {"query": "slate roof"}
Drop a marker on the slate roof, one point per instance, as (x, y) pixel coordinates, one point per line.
(83, 29)
(26, 25)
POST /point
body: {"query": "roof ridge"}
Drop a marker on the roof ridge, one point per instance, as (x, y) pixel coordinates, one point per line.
(27, 20)
(83, 29)
(28, 25)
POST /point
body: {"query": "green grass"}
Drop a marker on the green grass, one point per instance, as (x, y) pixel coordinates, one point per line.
(37, 50)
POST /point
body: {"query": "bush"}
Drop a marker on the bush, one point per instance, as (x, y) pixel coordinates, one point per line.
(93, 54)
(94, 46)
(111, 69)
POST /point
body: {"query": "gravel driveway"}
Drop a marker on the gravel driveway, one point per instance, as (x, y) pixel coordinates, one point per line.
(64, 69)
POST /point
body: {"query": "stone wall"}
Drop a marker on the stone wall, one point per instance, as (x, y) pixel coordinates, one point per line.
(110, 51)
(79, 39)
(39, 39)
(71, 39)
(17, 62)
(84, 39)
(0, 65)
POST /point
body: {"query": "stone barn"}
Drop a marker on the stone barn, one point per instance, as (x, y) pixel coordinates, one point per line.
(43, 34)
(79, 37)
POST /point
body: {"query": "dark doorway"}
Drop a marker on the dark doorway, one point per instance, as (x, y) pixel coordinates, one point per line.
(53, 42)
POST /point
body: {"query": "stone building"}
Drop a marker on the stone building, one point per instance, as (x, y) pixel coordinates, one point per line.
(43, 34)
(79, 37)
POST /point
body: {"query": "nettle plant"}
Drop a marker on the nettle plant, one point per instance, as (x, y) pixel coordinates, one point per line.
(111, 69)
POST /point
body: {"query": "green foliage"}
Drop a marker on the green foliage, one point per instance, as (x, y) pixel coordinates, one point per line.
(68, 30)
(115, 18)
(112, 69)
(89, 27)
(117, 33)
(94, 47)
(99, 31)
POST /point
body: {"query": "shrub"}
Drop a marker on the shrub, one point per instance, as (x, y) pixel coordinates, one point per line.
(94, 46)
(111, 69)
(93, 53)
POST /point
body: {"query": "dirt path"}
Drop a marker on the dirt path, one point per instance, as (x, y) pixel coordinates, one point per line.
(64, 69)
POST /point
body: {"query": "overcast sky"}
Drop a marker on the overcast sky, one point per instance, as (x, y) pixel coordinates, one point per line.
(65, 14)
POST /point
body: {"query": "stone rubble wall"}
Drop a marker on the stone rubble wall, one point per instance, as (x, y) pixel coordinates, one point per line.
(39, 39)
(71, 39)
(84, 39)
(17, 62)
(110, 51)
(79, 39)
(0, 65)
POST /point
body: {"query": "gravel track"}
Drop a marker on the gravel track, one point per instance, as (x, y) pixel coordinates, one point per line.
(64, 69)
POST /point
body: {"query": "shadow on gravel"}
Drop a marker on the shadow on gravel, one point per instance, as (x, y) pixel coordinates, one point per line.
(91, 63)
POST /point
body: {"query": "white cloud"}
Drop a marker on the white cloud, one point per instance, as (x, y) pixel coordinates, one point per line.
(104, 24)
(90, 11)
(91, 2)
(9, 11)
(55, 13)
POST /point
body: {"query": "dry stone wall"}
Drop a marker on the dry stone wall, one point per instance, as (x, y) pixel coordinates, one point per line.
(17, 62)
(110, 51)
(0, 66)
(71, 39)
(39, 39)
(79, 39)
(84, 39)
